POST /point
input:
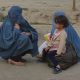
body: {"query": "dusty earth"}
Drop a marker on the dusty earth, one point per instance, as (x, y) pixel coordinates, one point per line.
(39, 13)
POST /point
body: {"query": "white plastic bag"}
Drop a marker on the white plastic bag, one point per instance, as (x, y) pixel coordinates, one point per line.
(44, 45)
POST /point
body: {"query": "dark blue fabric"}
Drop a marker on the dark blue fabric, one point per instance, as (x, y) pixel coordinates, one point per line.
(72, 34)
(51, 56)
(26, 27)
(12, 42)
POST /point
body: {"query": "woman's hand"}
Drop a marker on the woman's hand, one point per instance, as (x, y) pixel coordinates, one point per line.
(17, 26)
(23, 33)
(26, 33)
(46, 49)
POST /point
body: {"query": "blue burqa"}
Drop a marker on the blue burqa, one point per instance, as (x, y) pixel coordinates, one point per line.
(12, 42)
(72, 34)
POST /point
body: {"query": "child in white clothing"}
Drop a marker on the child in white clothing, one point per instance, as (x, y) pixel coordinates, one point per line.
(56, 44)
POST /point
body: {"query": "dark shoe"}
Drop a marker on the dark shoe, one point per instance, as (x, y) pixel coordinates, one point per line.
(23, 60)
(57, 70)
(18, 59)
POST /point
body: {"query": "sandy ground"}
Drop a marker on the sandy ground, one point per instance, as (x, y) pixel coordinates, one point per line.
(41, 11)
(38, 12)
(36, 71)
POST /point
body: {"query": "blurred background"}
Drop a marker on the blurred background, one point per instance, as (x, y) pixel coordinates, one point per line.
(39, 12)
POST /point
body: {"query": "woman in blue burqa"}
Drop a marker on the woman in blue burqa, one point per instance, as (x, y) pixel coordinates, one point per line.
(72, 34)
(17, 37)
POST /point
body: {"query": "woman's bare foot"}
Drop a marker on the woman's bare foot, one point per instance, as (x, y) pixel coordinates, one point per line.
(10, 61)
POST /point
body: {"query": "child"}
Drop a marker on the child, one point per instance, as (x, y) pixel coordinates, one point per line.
(56, 43)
